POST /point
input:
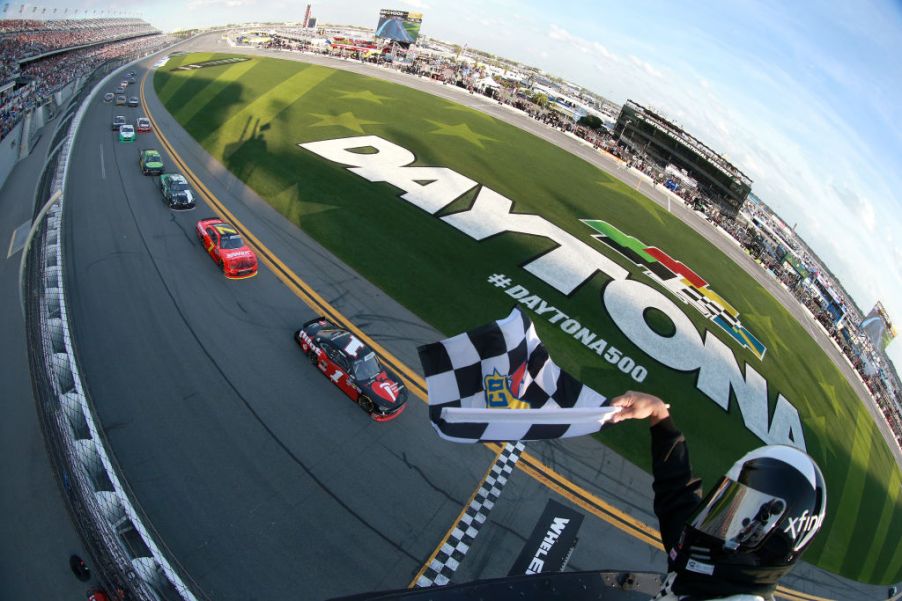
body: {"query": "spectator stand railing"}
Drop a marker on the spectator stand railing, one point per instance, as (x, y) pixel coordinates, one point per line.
(128, 560)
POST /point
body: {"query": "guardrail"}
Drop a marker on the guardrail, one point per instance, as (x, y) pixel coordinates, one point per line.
(128, 560)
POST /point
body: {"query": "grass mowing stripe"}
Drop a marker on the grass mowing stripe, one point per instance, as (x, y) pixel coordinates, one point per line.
(264, 109)
(883, 524)
(892, 556)
(202, 99)
(849, 501)
(871, 501)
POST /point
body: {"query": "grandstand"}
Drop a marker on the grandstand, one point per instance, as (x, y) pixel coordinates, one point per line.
(665, 143)
(38, 58)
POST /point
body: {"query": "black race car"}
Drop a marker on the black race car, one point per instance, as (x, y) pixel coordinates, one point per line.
(353, 367)
(176, 191)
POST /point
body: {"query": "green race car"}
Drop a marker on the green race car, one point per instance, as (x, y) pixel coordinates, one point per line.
(150, 161)
(126, 133)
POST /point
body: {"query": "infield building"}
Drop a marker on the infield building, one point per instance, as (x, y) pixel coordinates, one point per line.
(668, 144)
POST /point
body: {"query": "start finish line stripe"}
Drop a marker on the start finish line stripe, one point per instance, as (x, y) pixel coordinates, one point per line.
(443, 562)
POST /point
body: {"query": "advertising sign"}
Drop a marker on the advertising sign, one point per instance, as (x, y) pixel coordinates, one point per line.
(399, 25)
(549, 546)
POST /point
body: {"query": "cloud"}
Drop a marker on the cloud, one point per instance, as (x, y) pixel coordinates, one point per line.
(857, 205)
(645, 66)
(559, 34)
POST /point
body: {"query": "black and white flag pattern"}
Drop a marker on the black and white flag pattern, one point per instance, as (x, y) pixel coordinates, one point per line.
(497, 383)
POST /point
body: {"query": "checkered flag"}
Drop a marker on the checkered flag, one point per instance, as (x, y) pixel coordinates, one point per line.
(497, 383)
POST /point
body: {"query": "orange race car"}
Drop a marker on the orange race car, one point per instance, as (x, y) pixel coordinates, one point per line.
(224, 245)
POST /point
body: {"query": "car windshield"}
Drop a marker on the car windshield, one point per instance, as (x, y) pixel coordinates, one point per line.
(126, 129)
(230, 241)
(178, 186)
(367, 368)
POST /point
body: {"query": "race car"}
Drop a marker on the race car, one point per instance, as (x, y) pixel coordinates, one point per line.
(150, 161)
(176, 191)
(126, 133)
(108, 97)
(354, 368)
(133, 101)
(118, 121)
(120, 100)
(143, 125)
(224, 245)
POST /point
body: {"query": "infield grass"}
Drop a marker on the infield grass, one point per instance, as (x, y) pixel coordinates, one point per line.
(252, 115)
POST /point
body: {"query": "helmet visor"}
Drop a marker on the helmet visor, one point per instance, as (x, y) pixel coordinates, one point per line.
(740, 516)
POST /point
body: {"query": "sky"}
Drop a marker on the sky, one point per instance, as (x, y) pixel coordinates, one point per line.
(804, 97)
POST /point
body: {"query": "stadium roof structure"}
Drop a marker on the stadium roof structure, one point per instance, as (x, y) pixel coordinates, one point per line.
(677, 132)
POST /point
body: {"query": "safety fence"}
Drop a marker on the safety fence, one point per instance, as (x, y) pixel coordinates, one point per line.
(128, 561)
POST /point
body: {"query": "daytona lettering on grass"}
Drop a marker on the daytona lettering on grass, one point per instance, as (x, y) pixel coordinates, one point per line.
(585, 336)
(570, 264)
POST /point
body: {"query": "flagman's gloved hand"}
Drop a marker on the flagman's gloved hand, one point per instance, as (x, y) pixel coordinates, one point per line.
(639, 405)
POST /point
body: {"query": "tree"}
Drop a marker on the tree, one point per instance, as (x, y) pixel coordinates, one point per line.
(540, 99)
(590, 121)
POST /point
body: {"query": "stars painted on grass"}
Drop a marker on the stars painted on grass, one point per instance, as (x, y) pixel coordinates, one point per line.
(461, 130)
(469, 111)
(346, 120)
(364, 95)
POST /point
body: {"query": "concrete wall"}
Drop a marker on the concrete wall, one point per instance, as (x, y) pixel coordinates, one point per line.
(17, 143)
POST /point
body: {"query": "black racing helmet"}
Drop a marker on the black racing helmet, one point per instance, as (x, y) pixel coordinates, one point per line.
(754, 525)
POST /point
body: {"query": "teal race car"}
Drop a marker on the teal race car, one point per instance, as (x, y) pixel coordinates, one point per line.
(150, 161)
(126, 133)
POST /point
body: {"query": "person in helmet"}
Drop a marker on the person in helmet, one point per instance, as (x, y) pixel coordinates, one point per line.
(750, 529)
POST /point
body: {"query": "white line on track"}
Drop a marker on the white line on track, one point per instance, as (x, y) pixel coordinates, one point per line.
(17, 240)
(102, 168)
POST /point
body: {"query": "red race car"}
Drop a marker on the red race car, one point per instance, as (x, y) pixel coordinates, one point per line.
(143, 125)
(354, 368)
(224, 245)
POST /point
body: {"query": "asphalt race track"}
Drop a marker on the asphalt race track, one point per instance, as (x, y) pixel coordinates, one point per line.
(258, 475)
(261, 478)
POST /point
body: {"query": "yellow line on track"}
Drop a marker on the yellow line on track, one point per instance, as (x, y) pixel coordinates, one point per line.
(528, 464)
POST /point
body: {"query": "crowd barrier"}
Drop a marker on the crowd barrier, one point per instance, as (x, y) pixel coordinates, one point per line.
(128, 561)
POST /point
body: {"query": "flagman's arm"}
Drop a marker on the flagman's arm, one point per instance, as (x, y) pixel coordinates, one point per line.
(677, 490)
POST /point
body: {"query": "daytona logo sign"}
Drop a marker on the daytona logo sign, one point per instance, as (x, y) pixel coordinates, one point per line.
(569, 265)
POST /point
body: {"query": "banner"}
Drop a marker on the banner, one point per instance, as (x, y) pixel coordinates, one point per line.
(551, 543)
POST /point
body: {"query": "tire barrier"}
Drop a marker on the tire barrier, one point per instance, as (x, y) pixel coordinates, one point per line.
(127, 559)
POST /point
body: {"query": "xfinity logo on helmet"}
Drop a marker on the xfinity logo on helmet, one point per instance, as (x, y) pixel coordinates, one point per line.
(571, 263)
(802, 524)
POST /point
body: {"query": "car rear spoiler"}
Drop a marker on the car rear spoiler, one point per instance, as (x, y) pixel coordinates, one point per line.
(316, 319)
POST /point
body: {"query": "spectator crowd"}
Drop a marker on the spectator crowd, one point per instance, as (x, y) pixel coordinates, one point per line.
(78, 47)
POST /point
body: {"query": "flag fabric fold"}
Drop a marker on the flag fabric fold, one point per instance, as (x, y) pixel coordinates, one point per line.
(498, 383)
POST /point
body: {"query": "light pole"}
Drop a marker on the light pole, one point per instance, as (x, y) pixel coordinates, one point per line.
(622, 131)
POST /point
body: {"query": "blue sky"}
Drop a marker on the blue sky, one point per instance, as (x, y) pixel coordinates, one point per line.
(802, 96)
